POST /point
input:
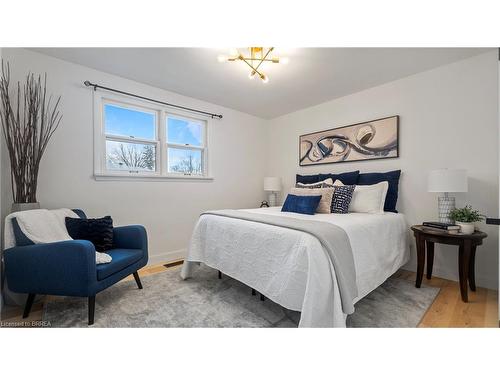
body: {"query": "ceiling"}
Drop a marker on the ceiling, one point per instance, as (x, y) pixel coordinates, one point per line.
(312, 76)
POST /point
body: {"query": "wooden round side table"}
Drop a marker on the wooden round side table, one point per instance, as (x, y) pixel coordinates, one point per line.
(467, 244)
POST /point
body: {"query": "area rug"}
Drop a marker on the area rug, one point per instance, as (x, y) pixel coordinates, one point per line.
(206, 301)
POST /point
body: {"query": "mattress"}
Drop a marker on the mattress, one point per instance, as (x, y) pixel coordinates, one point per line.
(291, 268)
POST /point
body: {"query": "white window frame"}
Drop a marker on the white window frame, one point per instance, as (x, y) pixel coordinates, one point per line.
(185, 146)
(161, 142)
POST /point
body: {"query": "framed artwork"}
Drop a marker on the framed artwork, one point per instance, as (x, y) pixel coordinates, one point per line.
(377, 139)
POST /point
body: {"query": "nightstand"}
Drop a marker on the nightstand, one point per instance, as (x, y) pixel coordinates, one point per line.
(426, 238)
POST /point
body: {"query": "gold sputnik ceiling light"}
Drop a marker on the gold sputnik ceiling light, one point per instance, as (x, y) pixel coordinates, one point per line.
(255, 59)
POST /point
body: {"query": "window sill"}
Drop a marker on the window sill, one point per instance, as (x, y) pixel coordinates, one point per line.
(135, 177)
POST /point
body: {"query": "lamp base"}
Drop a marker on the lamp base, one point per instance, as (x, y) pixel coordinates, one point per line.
(272, 199)
(445, 205)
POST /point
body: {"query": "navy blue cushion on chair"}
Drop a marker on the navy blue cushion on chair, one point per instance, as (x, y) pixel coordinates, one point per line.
(301, 204)
(122, 258)
(392, 178)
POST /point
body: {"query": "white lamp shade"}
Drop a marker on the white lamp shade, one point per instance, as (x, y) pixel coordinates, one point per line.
(272, 183)
(447, 181)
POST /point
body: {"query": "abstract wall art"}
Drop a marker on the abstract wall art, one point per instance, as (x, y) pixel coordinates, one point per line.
(377, 139)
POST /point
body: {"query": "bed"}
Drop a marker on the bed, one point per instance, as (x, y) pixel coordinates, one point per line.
(290, 266)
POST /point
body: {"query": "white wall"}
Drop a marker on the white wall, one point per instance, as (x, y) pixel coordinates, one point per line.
(168, 209)
(448, 118)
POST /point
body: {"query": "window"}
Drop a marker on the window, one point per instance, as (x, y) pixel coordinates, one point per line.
(148, 141)
(131, 139)
(185, 145)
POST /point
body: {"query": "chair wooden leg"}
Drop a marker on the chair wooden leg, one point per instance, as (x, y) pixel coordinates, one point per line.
(253, 292)
(137, 280)
(29, 304)
(262, 298)
(91, 309)
(220, 275)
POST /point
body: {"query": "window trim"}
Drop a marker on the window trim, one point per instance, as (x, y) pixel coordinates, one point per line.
(161, 115)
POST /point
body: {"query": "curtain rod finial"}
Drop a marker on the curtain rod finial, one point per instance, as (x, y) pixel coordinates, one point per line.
(86, 83)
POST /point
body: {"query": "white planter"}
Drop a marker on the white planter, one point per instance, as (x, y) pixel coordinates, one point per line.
(466, 228)
(16, 207)
(11, 298)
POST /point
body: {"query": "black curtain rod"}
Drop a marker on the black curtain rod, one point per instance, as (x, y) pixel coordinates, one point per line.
(96, 86)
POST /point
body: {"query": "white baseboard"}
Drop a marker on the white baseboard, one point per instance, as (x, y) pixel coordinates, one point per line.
(157, 258)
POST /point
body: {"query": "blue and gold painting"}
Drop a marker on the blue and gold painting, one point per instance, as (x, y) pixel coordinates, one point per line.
(377, 139)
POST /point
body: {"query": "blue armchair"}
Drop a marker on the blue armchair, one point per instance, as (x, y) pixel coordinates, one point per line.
(68, 268)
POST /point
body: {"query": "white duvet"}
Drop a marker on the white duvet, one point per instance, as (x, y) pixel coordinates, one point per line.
(290, 267)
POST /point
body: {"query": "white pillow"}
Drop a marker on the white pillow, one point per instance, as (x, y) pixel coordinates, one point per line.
(369, 198)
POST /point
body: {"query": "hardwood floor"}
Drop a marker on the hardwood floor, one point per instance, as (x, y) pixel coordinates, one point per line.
(448, 310)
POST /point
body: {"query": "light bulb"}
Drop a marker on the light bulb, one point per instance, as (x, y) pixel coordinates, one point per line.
(265, 78)
(222, 58)
(233, 52)
(284, 60)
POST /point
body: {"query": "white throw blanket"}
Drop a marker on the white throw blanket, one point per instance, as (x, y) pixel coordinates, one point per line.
(44, 226)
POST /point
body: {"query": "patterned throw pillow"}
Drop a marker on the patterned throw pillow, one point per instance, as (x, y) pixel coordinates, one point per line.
(316, 185)
(342, 196)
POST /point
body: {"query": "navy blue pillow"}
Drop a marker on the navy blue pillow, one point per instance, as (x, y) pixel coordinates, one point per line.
(392, 178)
(347, 178)
(98, 231)
(309, 179)
(301, 204)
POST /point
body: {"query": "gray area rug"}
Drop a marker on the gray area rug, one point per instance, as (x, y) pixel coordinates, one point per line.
(206, 301)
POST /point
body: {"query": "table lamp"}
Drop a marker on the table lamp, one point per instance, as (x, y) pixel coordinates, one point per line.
(273, 185)
(447, 181)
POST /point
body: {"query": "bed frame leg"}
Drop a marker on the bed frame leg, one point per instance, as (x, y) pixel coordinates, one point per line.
(253, 292)
(220, 275)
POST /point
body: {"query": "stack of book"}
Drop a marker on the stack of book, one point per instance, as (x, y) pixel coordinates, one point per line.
(444, 227)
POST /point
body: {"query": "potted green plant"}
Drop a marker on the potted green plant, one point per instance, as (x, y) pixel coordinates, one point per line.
(465, 218)
(29, 117)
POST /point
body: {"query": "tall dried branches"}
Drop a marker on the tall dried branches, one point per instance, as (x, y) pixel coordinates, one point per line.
(29, 118)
